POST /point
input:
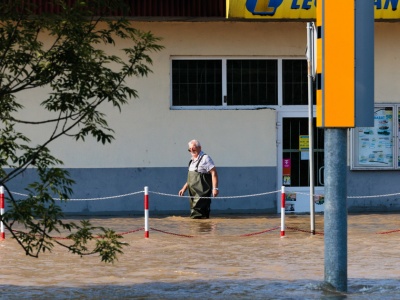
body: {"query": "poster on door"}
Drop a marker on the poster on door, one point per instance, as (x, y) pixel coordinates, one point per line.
(286, 171)
(290, 202)
(304, 147)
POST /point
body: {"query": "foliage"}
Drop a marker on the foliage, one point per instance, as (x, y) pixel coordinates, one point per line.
(62, 52)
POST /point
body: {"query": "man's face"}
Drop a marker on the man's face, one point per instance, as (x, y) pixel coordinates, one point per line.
(194, 150)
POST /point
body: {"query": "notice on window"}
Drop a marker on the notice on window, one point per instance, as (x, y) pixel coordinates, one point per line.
(398, 157)
(304, 142)
(375, 144)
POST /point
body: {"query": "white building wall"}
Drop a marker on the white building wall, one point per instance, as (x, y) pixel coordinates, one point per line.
(153, 137)
(149, 134)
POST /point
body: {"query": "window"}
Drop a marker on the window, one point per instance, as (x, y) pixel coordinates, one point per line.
(238, 83)
(252, 82)
(295, 82)
(378, 147)
(196, 82)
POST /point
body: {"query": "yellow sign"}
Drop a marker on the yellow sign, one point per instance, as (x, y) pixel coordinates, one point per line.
(304, 143)
(299, 9)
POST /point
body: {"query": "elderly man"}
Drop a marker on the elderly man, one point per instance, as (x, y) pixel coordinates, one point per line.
(202, 182)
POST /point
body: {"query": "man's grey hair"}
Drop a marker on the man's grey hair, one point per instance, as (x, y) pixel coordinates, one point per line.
(194, 142)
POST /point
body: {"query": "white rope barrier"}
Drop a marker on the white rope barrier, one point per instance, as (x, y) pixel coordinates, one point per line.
(355, 197)
(223, 197)
(374, 196)
(88, 199)
(146, 204)
(219, 197)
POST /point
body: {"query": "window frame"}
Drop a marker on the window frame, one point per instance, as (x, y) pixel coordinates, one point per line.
(224, 105)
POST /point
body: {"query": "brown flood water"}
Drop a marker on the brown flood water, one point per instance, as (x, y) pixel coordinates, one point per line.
(225, 257)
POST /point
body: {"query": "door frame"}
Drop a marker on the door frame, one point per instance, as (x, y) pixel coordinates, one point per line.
(302, 194)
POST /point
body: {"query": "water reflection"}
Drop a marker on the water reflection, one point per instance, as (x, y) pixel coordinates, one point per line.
(205, 226)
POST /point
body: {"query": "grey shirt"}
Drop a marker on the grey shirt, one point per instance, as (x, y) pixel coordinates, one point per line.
(205, 165)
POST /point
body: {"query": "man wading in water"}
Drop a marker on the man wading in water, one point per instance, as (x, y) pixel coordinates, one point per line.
(202, 182)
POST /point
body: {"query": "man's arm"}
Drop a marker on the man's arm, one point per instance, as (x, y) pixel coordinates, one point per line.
(214, 177)
(183, 190)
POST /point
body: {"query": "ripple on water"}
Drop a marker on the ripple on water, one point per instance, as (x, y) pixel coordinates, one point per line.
(222, 259)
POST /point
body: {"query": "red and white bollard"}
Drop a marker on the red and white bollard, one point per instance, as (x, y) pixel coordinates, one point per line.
(146, 212)
(283, 207)
(2, 234)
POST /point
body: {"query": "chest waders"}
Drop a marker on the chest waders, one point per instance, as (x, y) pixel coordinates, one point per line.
(200, 189)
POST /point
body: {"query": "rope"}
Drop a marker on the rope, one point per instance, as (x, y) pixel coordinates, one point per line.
(88, 199)
(301, 230)
(224, 197)
(177, 234)
(219, 197)
(131, 231)
(355, 197)
(260, 232)
(192, 236)
(374, 196)
(387, 232)
(96, 237)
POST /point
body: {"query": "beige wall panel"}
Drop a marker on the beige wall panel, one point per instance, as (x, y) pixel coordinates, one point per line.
(387, 62)
(232, 138)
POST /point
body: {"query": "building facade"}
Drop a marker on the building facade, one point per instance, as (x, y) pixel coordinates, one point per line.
(239, 86)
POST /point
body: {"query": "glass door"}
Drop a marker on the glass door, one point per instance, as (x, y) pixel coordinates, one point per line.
(293, 162)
